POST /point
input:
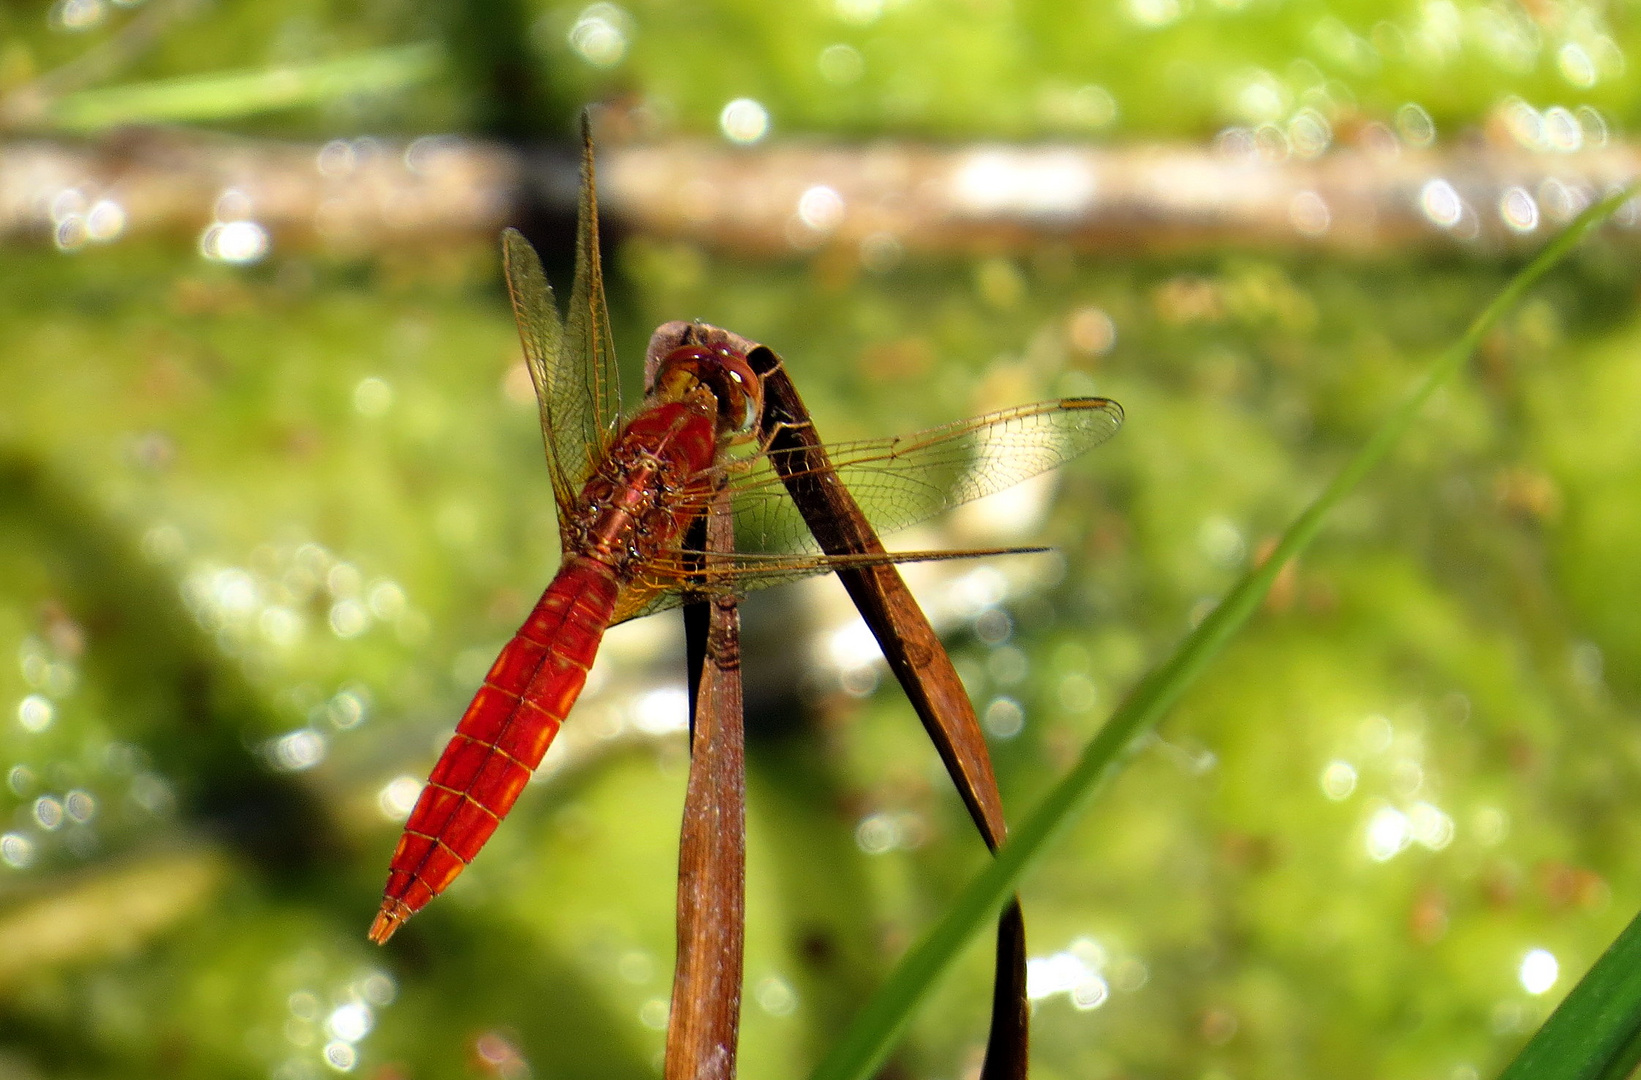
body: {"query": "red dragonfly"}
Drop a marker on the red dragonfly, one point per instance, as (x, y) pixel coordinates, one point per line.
(627, 490)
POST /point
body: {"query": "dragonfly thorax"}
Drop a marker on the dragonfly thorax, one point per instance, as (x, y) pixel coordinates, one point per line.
(696, 373)
(635, 504)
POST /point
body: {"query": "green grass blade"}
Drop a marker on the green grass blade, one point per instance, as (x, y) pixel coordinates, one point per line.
(228, 95)
(872, 1035)
(1595, 1033)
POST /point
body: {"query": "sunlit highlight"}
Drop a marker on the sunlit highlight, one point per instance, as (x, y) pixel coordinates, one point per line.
(1430, 826)
(1562, 131)
(1441, 203)
(77, 15)
(1077, 972)
(299, 750)
(1576, 65)
(997, 182)
(744, 121)
(1309, 214)
(841, 64)
(662, 711)
(398, 796)
(600, 34)
(1004, 718)
(79, 806)
(239, 242)
(1338, 780)
(1415, 126)
(373, 396)
(776, 996)
(350, 1022)
(1388, 834)
(653, 1013)
(821, 208)
(1518, 210)
(1539, 971)
(16, 851)
(35, 713)
(48, 813)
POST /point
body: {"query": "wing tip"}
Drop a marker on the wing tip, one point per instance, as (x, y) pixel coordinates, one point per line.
(1094, 404)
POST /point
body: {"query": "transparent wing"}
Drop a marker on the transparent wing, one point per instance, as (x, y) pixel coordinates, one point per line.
(674, 580)
(572, 363)
(906, 479)
(898, 482)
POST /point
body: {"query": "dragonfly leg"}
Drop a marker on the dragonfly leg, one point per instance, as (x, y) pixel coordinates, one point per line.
(767, 439)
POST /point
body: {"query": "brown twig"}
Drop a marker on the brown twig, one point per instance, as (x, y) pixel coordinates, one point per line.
(706, 985)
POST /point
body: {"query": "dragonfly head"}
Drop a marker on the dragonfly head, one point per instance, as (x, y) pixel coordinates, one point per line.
(694, 372)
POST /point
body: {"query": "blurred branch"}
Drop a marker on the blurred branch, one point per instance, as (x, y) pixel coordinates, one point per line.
(872, 203)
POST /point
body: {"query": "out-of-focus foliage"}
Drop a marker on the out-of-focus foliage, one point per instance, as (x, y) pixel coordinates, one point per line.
(262, 528)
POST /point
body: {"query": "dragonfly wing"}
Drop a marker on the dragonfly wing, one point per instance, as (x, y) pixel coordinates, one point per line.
(543, 338)
(572, 363)
(589, 386)
(906, 479)
(678, 578)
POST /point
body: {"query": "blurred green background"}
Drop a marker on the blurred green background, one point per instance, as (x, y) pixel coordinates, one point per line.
(263, 526)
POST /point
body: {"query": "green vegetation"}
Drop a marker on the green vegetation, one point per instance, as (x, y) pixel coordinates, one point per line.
(252, 514)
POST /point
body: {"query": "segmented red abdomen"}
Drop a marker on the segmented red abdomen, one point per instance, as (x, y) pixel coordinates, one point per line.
(540, 673)
(501, 738)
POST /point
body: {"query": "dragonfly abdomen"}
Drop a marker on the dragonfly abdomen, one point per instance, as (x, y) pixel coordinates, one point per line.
(501, 738)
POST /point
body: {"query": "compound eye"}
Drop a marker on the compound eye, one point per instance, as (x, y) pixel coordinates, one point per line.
(741, 399)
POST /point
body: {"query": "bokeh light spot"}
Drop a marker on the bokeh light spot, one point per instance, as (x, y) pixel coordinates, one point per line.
(48, 813)
(1004, 718)
(1518, 210)
(1539, 971)
(1441, 203)
(16, 851)
(340, 1055)
(373, 396)
(239, 242)
(298, 750)
(841, 64)
(775, 996)
(821, 208)
(600, 35)
(1387, 834)
(1338, 780)
(744, 121)
(398, 797)
(35, 713)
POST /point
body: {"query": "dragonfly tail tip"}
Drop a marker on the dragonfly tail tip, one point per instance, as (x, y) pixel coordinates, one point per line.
(383, 926)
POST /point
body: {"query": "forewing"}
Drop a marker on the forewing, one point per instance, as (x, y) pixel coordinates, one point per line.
(587, 386)
(906, 479)
(898, 482)
(542, 335)
(674, 579)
